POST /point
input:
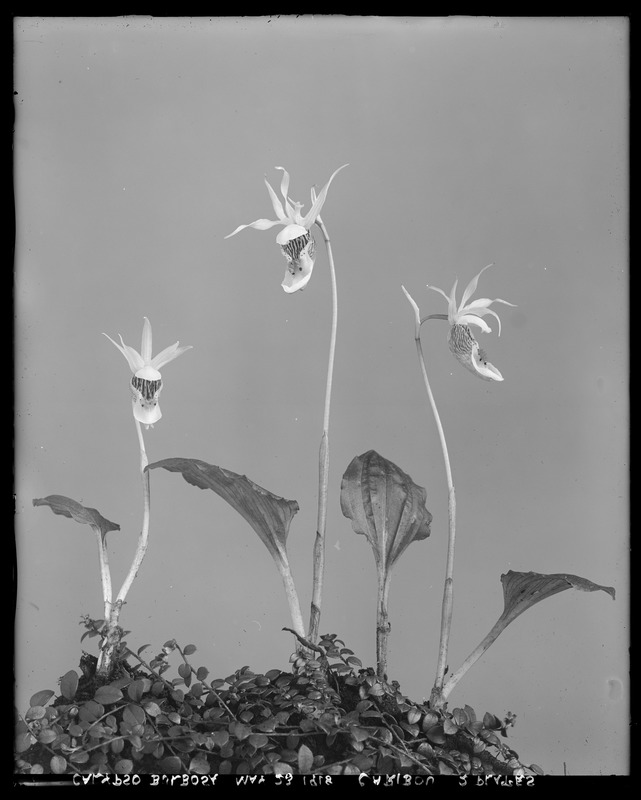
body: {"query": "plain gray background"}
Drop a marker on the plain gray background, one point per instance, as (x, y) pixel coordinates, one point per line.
(139, 144)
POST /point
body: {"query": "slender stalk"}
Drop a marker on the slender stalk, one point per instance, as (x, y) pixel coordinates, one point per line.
(144, 533)
(323, 461)
(112, 631)
(105, 574)
(292, 596)
(474, 656)
(383, 626)
(448, 590)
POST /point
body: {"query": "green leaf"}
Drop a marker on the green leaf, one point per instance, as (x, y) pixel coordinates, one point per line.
(189, 649)
(35, 712)
(90, 711)
(171, 765)
(199, 765)
(133, 715)
(239, 730)
(41, 698)
(460, 717)
(305, 759)
(67, 507)
(105, 695)
(385, 505)
(47, 736)
(450, 727)
(24, 742)
(435, 734)
(184, 670)
(135, 690)
(359, 734)
(220, 738)
(490, 721)
(268, 514)
(522, 590)
(153, 709)
(58, 765)
(69, 684)
(429, 721)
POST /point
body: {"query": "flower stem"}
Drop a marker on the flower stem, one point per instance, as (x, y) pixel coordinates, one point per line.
(144, 533)
(323, 462)
(112, 632)
(448, 590)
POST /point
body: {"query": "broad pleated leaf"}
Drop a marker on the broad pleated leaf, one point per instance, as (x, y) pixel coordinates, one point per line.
(521, 590)
(385, 505)
(70, 508)
(268, 514)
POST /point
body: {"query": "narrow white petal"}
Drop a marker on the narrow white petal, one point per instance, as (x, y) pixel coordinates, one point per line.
(451, 305)
(284, 190)
(134, 359)
(473, 319)
(278, 206)
(145, 346)
(259, 224)
(440, 291)
(168, 354)
(315, 210)
(471, 287)
(482, 302)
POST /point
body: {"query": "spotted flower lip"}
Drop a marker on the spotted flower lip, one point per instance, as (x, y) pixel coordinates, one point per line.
(146, 383)
(295, 240)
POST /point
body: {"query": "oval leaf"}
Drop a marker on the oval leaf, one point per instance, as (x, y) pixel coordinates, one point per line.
(268, 514)
(385, 505)
(171, 765)
(58, 765)
(305, 759)
(153, 709)
(258, 740)
(133, 715)
(67, 507)
(69, 684)
(41, 698)
(107, 694)
(24, 742)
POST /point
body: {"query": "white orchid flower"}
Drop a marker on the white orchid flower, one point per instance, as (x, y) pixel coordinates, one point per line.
(146, 383)
(460, 339)
(296, 242)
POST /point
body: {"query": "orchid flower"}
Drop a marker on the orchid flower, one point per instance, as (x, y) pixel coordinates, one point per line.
(146, 383)
(296, 242)
(460, 339)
